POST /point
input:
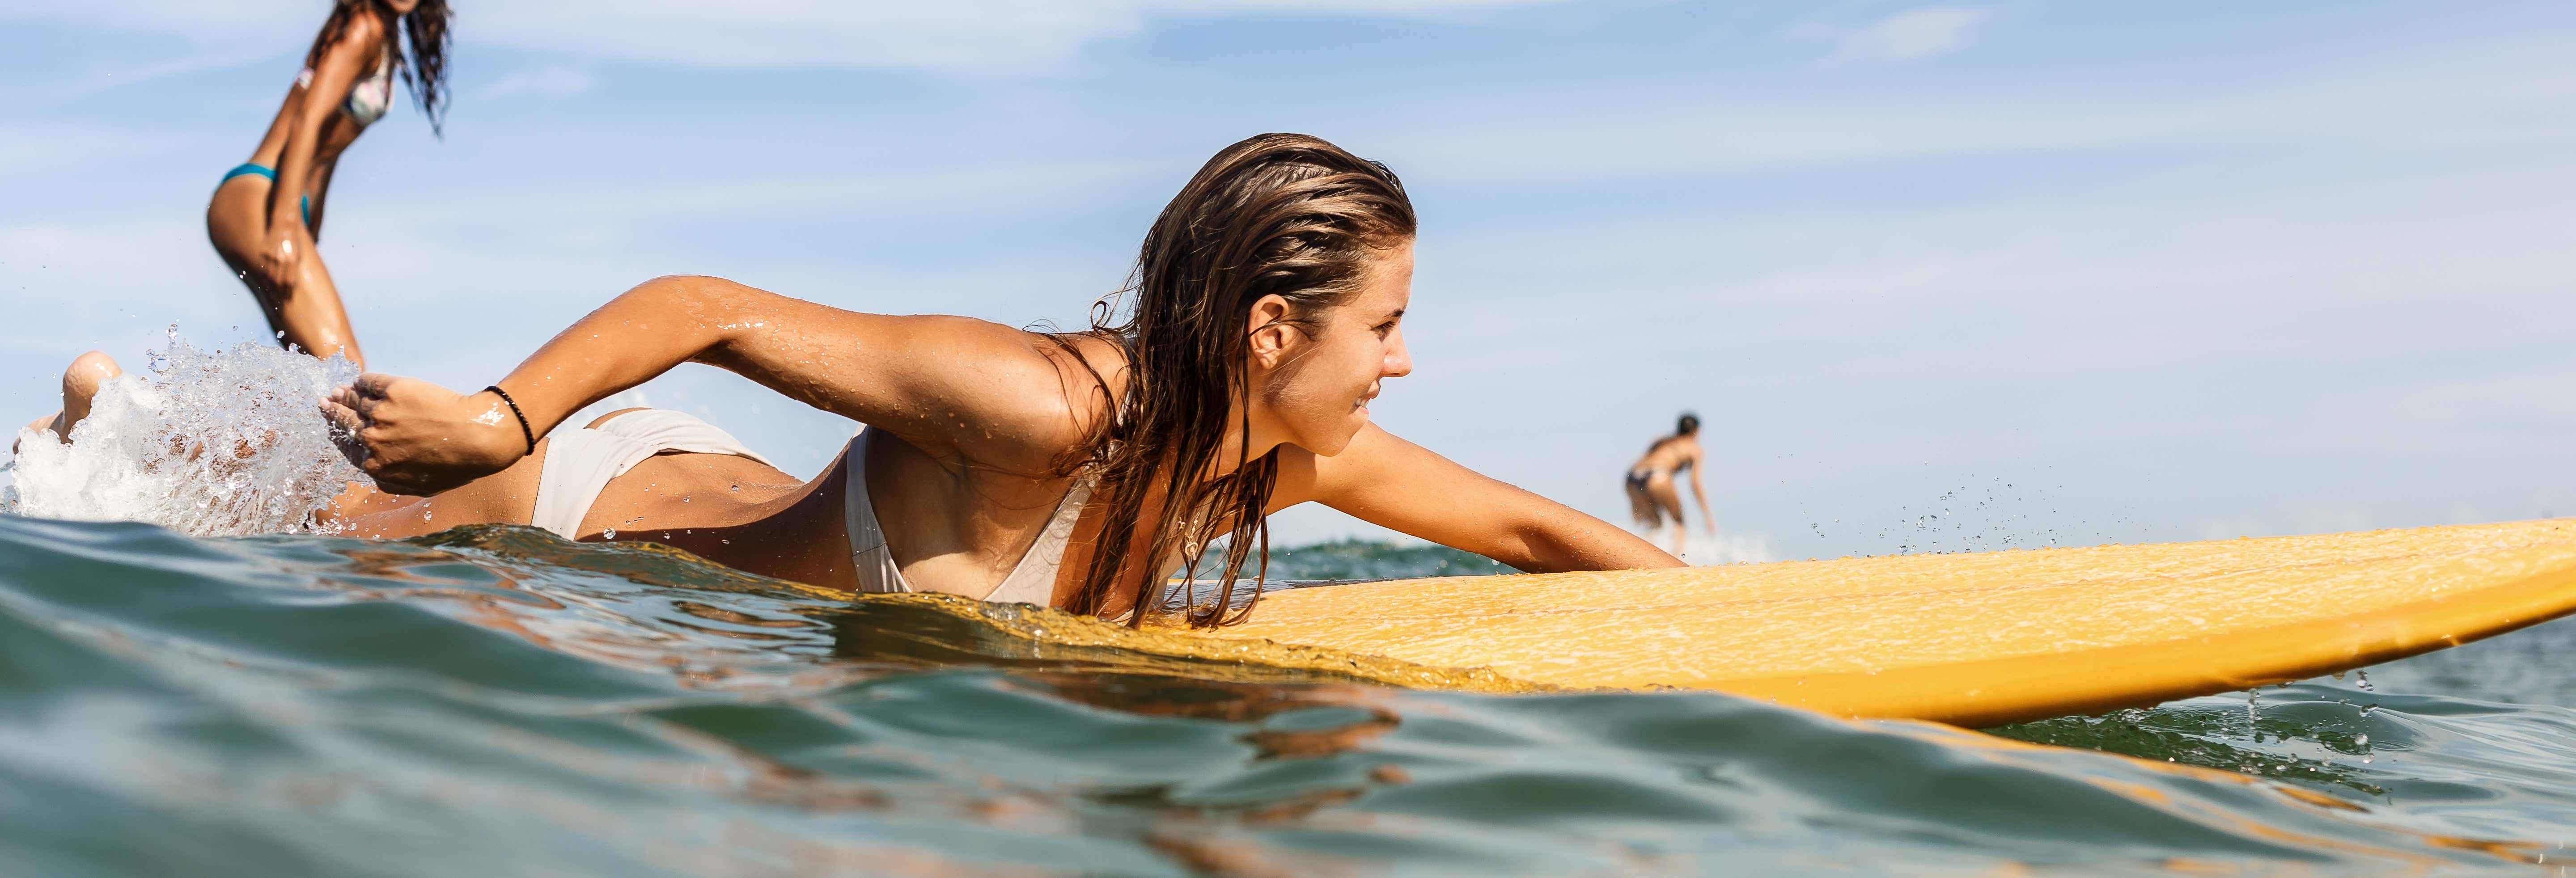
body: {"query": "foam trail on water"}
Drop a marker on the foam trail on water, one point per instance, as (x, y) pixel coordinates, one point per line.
(212, 443)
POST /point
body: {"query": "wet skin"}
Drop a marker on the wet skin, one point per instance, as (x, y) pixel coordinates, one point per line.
(974, 416)
(258, 226)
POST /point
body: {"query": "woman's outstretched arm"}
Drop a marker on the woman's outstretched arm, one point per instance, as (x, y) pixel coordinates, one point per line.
(1387, 481)
(948, 385)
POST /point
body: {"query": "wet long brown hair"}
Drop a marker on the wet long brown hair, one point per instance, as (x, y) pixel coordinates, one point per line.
(1284, 215)
(425, 29)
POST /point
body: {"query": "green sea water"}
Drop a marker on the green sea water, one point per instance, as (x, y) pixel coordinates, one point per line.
(1349, 560)
(493, 701)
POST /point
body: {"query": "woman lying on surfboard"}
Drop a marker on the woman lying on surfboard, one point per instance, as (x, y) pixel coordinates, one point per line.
(1075, 469)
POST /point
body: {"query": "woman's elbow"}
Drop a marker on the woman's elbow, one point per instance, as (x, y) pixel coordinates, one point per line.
(1592, 544)
(710, 300)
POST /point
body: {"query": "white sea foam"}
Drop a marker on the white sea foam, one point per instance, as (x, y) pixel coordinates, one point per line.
(210, 443)
(1730, 547)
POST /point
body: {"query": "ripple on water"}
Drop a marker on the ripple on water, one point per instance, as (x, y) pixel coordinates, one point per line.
(495, 701)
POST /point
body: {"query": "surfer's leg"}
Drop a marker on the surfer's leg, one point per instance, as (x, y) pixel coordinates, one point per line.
(304, 309)
(312, 316)
(1667, 498)
(1642, 507)
(236, 217)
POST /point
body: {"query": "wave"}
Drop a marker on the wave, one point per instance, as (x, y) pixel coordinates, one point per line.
(494, 700)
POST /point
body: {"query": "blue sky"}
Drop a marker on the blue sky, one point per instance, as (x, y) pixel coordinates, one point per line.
(2168, 271)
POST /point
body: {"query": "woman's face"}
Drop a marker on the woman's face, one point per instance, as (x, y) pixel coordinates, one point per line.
(402, 7)
(1312, 389)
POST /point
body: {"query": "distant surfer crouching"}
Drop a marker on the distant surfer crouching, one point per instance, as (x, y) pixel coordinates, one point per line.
(1651, 493)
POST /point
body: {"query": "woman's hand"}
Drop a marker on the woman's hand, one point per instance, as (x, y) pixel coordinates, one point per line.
(279, 261)
(418, 438)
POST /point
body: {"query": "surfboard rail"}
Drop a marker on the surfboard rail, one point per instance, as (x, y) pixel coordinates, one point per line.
(1974, 639)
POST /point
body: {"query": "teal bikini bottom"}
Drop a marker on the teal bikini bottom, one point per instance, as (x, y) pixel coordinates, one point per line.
(304, 203)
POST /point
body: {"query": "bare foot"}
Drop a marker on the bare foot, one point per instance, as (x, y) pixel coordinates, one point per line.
(80, 387)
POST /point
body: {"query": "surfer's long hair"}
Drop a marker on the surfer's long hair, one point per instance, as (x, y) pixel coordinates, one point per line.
(1284, 215)
(424, 29)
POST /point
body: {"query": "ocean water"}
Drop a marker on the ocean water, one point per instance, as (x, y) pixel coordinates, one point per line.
(215, 689)
(495, 701)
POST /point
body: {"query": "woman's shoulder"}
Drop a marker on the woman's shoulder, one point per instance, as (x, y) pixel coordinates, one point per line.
(1102, 359)
(360, 33)
(363, 29)
(1025, 410)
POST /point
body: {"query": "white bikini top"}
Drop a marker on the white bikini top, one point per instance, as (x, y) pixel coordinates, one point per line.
(1032, 582)
(369, 97)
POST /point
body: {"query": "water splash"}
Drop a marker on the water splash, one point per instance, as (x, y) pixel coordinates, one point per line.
(210, 443)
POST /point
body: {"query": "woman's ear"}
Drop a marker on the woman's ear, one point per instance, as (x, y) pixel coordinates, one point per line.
(1271, 334)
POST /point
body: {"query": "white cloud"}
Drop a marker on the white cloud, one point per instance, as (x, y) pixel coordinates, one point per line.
(1918, 33)
(959, 35)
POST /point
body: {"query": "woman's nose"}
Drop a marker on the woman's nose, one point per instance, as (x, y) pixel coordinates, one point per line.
(1399, 362)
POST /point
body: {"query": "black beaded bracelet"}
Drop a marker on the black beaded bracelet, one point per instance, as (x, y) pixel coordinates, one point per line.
(523, 417)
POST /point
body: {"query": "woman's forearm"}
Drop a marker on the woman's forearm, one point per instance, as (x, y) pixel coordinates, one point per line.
(1562, 539)
(636, 337)
(294, 167)
(1386, 481)
(938, 381)
(334, 76)
(415, 437)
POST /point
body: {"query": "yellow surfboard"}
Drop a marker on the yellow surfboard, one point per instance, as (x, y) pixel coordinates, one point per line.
(1973, 639)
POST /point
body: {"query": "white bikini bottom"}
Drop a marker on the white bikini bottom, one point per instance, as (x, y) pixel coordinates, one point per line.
(579, 463)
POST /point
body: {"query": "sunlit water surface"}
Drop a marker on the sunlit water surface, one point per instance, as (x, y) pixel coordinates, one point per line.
(495, 701)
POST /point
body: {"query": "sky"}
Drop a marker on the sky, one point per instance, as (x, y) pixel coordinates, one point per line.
(2055, 272)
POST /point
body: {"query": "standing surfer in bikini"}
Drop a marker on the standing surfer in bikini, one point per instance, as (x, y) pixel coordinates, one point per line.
(266, 215)
(1651, 492)
(1076, 469)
